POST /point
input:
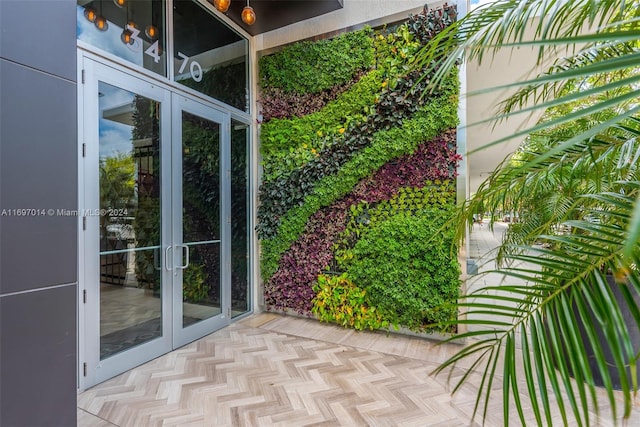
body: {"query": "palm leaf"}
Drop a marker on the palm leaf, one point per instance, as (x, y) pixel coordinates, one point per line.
(577, 188)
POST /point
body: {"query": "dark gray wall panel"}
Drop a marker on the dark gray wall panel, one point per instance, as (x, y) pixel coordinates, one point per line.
(38, 163)
(40, 34)
(38, 170)
(38, 358)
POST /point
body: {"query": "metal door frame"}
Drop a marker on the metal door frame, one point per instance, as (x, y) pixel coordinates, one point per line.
(180, 103)
(91, 370)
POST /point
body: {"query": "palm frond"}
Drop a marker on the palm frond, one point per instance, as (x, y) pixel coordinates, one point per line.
(547, 317)
(576, 187)
(552, 292)
(551, 93)
(594, 38)
(488, 29)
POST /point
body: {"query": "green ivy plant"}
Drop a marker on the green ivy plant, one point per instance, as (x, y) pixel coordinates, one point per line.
(408, 266)
(310, 67)
(395, 52)
(438, 115)
(340, 301)
(315, 154)
(433, 196)
(394, 107)
(286, 143)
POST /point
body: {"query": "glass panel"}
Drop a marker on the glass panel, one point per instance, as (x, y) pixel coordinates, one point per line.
(130, 255)
(239, 217)
(210, 57)
(131, 30)
(201, 218)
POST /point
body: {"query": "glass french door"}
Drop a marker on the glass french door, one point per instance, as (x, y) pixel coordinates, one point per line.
(201, 219)
(155, 246)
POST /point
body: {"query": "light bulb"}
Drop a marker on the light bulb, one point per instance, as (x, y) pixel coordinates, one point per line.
(248, 15)
(90, 14)
(222, 5)
(151, 31)
(101, 23)
(126, 36)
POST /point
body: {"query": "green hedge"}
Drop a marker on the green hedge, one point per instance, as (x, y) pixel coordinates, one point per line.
(409, 268)
(287, 143)
(310, 67)
(439, 114)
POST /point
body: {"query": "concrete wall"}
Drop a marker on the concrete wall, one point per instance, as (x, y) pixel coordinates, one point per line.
(504, 67)
(507, 66)
(38, 249)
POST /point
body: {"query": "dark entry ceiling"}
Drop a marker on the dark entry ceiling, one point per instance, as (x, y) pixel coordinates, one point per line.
(272, 14)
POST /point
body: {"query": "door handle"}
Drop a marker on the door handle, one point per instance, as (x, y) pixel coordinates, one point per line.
(168, 263)
(185, 248)
(156, 259)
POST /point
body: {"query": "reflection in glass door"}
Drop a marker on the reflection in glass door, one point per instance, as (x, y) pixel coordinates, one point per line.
(201, 154)
(201, 218)
(129, 220)
(126, 211)
(156, 249)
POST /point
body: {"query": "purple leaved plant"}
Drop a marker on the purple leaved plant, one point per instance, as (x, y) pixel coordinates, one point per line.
(290, 288)
(278, 104)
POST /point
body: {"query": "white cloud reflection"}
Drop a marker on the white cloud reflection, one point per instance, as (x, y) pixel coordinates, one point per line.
(115, 137)
(106, 40)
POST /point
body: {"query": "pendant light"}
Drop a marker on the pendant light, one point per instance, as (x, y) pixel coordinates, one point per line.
(151, 31)
(248, 15)
(101, 22)
(127, 34)
(222, 5)
(90, 14)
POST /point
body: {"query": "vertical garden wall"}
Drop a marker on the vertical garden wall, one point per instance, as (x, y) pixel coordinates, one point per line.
(359, 163)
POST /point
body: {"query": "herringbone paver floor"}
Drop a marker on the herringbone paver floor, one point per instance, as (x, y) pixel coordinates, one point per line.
(278, 370)
(245, 375)
(270, 369)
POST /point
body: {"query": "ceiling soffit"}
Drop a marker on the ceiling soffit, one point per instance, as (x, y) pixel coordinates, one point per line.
(274, 14)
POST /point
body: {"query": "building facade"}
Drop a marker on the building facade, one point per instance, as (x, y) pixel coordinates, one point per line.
(38, 250)
(129, 174)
